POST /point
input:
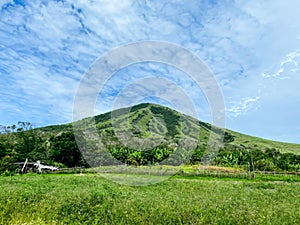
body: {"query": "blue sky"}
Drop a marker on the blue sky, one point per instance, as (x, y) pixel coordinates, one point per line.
(252, 48)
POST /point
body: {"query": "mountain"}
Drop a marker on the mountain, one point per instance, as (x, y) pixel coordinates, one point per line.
(163, 134)
(155, 122)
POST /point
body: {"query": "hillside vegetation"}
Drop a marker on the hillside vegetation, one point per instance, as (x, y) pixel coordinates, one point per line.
(166, 123)
(165, 136)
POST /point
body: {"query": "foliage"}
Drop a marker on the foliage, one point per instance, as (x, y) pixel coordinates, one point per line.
(64, 150)
(228, 137)
(7, 165)
(21, 141)
(103, 117)
(256, 159)
(56, 144)
(90, 199)
(138, 158)
(171, 119)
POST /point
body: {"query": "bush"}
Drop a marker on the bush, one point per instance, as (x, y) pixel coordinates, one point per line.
(7, 173)
(265, 165)
(7, 164)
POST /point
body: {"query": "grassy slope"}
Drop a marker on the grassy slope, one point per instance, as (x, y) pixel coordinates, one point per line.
(143, 123)
(264, 143)
(90, 199)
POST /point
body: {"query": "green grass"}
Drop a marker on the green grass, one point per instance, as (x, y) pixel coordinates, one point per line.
(256, 142)
(91, 199)
(191, 172)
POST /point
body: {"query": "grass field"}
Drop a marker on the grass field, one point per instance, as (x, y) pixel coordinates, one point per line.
(252, 141)
(91, 199)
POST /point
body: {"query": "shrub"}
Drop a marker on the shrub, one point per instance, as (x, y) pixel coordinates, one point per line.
(7, 165)
(265, 165)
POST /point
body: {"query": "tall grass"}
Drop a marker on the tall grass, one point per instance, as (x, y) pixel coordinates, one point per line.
(90, 199)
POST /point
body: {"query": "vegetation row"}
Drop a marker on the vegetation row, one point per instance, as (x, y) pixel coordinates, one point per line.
(20, 141)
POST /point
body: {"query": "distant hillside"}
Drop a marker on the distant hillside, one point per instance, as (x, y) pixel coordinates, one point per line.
(149, 120)
(123, 133)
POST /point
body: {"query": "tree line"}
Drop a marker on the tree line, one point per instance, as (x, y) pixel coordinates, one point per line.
(21, 141)
(269, 159)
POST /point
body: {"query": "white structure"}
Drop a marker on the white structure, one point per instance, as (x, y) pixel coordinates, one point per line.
(40, 167)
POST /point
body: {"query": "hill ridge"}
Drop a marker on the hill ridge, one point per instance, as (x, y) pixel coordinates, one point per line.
(139, 114)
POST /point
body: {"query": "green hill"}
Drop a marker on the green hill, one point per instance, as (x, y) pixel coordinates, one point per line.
(165, 134)
(151, 121)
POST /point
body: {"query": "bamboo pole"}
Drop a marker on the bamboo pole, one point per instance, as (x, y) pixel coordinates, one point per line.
(24, 166)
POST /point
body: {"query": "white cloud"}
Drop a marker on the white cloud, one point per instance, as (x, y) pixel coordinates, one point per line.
(45, 48)
(286, 68)
(242, 107)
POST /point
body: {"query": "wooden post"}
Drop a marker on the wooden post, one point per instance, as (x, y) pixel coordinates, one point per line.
(24, 166)
(39, 166)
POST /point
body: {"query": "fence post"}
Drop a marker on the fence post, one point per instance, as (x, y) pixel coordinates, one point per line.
(24, 166)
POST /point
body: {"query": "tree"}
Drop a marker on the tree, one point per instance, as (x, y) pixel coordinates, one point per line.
(26, 140)
(64, 149)
(7, 164)
(265, 165)
(7, 152)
